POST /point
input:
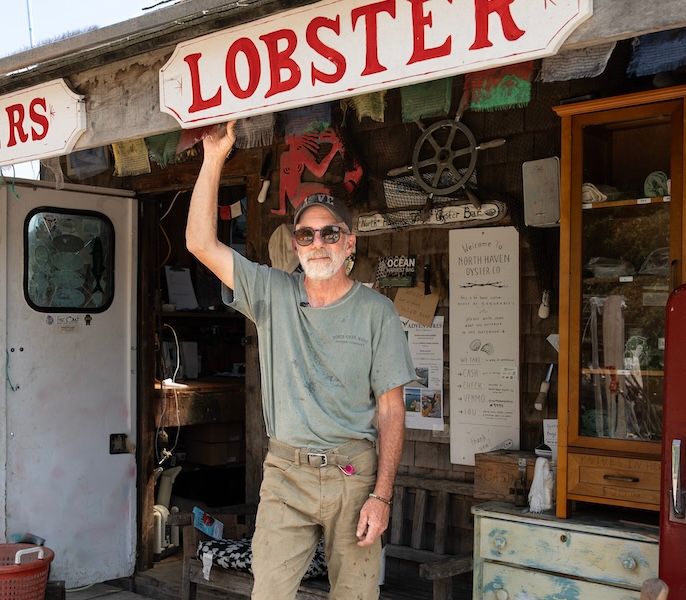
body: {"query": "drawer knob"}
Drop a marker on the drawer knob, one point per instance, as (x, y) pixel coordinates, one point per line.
(500, 543)
(563, 538)
(629, 563)
(502, 595)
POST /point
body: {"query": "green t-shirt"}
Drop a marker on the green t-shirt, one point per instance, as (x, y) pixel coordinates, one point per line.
(321, 368)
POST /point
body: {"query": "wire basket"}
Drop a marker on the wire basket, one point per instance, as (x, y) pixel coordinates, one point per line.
(24, 571)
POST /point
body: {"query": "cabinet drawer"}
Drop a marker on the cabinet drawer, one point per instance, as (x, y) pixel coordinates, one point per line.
(501, 582)
(630, 480)
(566, 551)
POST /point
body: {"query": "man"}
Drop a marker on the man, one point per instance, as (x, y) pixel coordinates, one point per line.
(332, 353)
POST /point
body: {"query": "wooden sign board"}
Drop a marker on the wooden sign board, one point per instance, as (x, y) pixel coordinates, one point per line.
(339, 48)
(414, 217)
(484, 341)
(38, 122)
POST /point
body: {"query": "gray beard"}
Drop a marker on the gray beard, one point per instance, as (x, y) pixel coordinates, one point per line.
(319, 272)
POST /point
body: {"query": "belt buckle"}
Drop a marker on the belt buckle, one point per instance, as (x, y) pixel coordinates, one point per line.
(325, 460)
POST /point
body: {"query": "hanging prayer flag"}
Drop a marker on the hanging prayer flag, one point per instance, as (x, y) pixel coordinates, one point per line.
(500, 89)
(162, 148)
(658, 52)
(130, 158)
(309, 119)
(253, 132)
(576, 64)
(88, 163)
(430, 99)
(367, 105)
(190, 137)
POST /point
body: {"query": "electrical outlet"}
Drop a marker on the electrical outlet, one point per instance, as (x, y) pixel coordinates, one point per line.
(119, 443)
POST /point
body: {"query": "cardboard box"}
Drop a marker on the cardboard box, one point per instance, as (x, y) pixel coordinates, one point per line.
(496, 472)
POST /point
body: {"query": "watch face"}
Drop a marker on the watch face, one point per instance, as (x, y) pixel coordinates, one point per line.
(349, 263)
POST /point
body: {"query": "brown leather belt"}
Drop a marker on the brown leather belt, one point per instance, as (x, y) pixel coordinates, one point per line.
(339, 456)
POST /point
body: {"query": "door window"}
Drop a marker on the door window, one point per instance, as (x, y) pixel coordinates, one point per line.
(68, 260)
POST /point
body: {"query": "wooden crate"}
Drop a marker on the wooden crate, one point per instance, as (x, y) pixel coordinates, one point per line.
(496, 472)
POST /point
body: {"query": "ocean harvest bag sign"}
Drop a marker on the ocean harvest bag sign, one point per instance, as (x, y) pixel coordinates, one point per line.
(337, 48)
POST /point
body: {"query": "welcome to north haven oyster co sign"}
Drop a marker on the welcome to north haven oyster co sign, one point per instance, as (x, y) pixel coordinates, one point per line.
(338, 48)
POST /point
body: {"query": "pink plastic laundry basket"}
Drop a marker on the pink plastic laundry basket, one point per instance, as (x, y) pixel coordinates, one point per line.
(24, 571)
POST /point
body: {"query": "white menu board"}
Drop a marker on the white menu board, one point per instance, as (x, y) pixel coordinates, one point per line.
(484, 341)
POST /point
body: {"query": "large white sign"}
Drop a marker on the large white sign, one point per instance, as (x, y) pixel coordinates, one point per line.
(45, 120)
(484, 341)
(338, 48)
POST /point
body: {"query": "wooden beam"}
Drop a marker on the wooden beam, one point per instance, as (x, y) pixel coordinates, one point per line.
(161, 28)
(236, 171)
(614, 21)
(202, 403)
(418, 518)
(122, 100)
(255, 434)
(123, 93)
(186, 20)
(435, 485)
(147, 398)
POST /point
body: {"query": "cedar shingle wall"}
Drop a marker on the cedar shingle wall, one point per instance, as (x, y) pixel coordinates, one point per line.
(532, 133)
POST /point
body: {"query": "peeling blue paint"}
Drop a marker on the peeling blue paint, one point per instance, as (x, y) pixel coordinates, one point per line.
(569, 590)
(495, 585)
(493, 535)
(543, 546)
(493, 532)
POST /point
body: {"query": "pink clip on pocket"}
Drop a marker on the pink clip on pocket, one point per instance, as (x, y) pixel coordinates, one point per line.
(347, 469)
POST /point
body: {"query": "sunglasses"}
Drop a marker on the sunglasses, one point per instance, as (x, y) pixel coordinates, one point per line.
(329, 234)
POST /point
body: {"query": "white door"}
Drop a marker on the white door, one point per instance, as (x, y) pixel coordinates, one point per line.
(68, 295)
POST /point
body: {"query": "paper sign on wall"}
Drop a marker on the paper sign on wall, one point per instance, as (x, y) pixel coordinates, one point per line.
(424, 397)
(413, 304)
(484, 341)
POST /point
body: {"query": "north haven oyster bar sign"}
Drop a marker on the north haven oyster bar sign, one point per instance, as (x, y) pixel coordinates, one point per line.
(338, 48)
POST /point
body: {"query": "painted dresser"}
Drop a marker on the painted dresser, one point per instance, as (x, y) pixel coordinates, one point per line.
(524, 556)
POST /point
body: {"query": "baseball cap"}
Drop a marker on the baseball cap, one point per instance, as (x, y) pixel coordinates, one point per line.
(335, 206)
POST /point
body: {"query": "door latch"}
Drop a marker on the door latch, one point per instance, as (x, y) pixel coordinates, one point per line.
(677, 495)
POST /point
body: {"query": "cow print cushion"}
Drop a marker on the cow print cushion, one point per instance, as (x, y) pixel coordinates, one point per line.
(237, 554)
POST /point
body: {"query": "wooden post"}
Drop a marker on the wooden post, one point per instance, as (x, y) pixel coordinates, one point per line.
(255, 436)
(146, 394)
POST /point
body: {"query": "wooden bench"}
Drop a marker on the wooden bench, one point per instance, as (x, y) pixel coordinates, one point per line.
(419, 532)
(420, 527)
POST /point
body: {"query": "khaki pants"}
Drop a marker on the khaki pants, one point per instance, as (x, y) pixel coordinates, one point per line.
(299, 503)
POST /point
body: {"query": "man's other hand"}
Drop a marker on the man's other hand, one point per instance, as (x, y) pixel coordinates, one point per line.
(373, 521)
(219, 141)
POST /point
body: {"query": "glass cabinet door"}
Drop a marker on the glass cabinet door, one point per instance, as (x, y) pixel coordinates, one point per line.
(626, 254)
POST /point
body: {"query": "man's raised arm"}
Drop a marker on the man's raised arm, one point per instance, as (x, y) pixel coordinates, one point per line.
(201, 228)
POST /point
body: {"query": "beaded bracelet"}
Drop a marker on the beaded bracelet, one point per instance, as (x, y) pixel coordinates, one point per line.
(384, 500)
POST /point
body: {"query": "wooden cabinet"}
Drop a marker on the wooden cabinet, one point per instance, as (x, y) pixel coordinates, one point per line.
(621, 250)
(522, 555)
